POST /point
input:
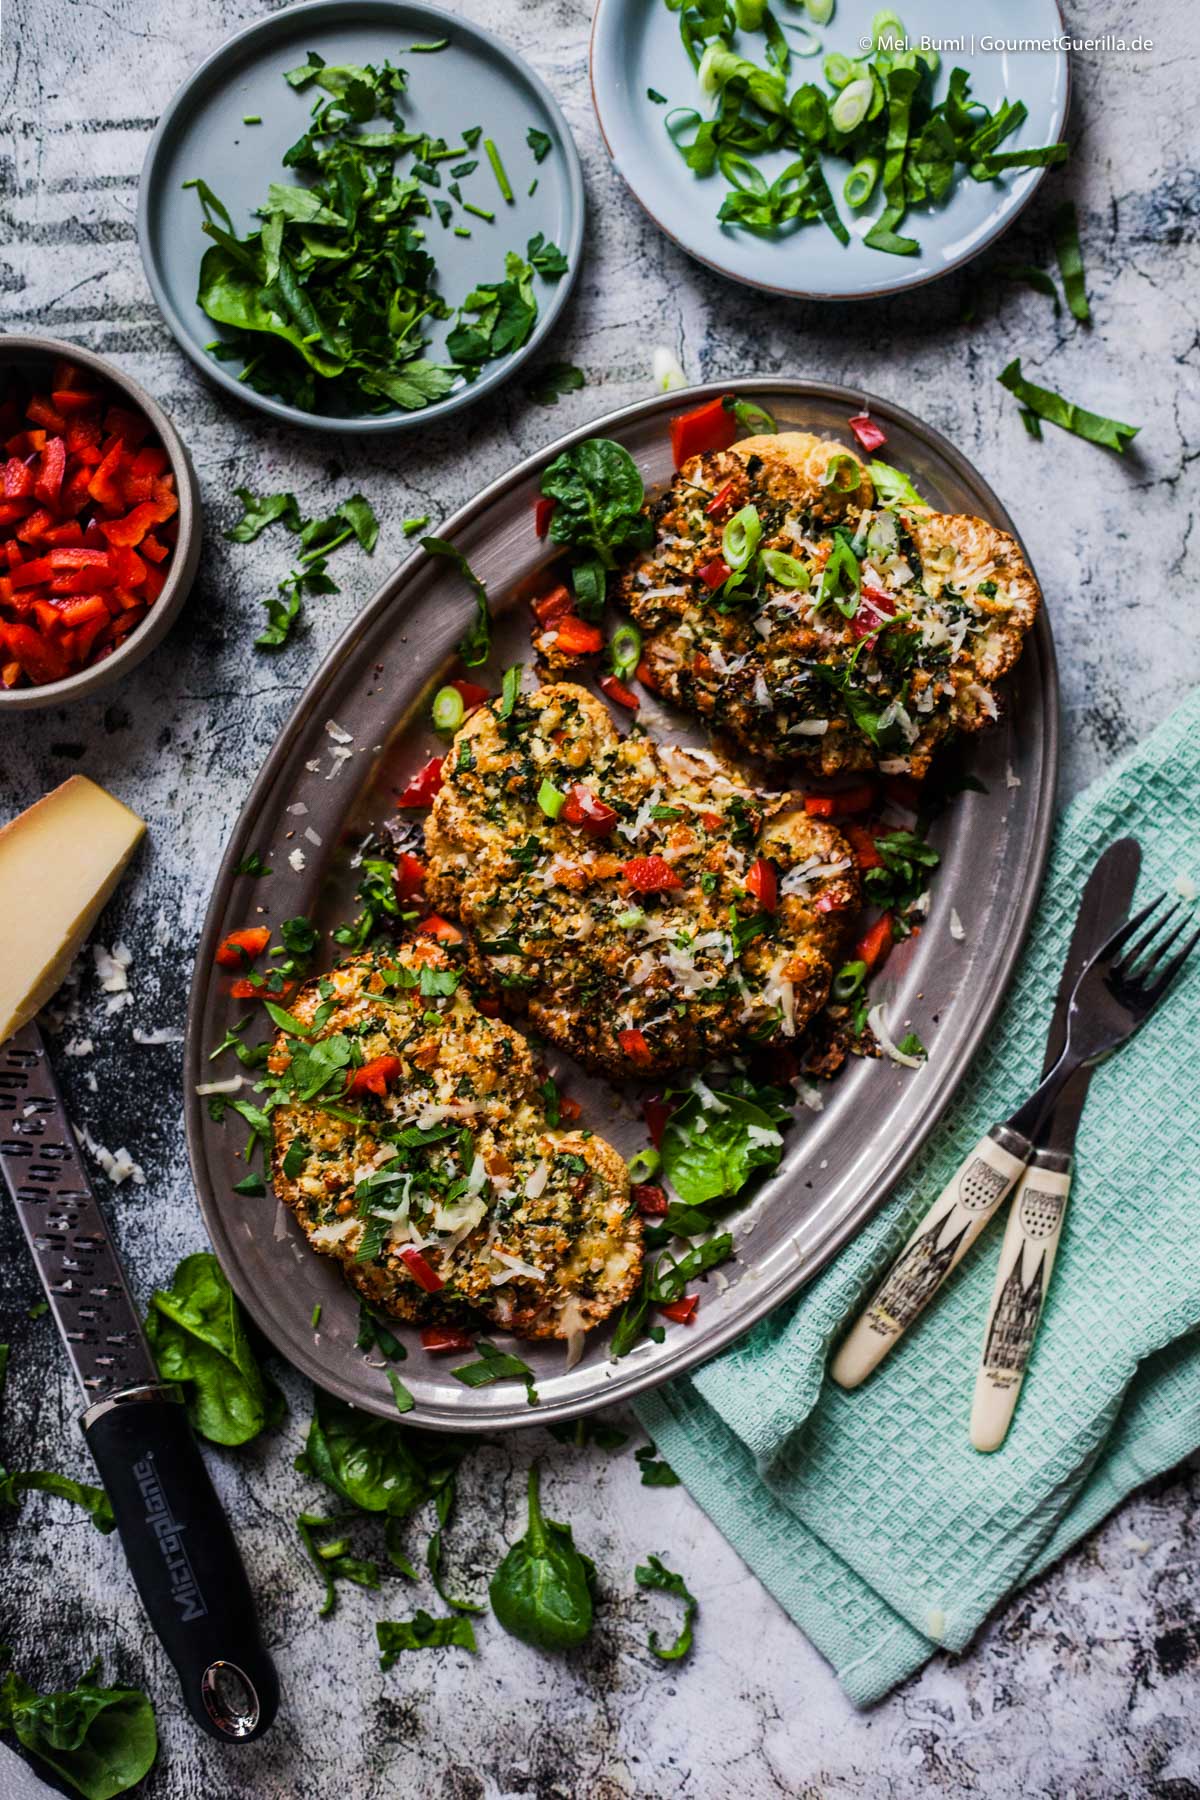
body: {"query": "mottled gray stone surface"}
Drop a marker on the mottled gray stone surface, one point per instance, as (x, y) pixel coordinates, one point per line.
(1086, 1684)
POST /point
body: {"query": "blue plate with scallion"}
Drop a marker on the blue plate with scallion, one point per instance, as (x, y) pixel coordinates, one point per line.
(361, 216)
(827, 149)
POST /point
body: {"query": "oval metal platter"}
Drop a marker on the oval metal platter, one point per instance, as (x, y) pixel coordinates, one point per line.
(838, 1164)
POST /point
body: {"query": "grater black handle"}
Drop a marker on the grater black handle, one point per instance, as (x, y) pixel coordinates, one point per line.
(184, 1559)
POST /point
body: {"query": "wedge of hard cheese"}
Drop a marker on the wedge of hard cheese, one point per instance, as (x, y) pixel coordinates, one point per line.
(59, 862)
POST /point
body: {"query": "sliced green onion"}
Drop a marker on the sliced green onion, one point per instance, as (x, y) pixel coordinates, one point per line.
(643, 1165)
(840, 71)
(1065, 226)
(498, 170)
(850, 108)
(740, 538)
(448, 709)
(860, 182)
(842, 473)
(848, 980)
(887, 24)
(893, 485)
(787, 570)
(1044, 403)
(631, 918)
(819, 11)
(754, 420)
(749, 14)
(551, 799)
(625, 650)
(510, 687)
(710, 65)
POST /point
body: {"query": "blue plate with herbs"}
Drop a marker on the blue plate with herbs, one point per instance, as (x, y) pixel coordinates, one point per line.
(831, 151)
(361, 216)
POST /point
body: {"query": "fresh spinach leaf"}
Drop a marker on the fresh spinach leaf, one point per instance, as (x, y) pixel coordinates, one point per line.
(100, 1740)
(476, 643)
(654, 1574)
(544, 1589)
(655, 1473)
(333, 1561)
(374, 1464)
(714, 1142)
(199, 1339)
(547, 384)
(421, 1632)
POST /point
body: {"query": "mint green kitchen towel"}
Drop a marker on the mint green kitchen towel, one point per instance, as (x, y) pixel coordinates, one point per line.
(867, 1514)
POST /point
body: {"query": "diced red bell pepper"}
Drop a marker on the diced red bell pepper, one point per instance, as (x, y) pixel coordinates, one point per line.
(131, 529)
(241, 947)
(422, 787)
(656, 1111)
(39, 657)
(472, 694)
(870, 435)
(73, 400)
(543, 512)
(154, 548)
(553, 605)
(84, 581)
(40, 411)
(715, 573)
(634, 1045)
(832, 900)
(582, 808)
(488, 1005)
(438, 1339)
(18, 478)
(858, 799)
(708, 427)
(441, 929)
(683, 1311)
(133, 428)
(866, 621)
(410, 875)
(421, 1272)
(83, 610)
(577, 637)
(873, 946)
(651, 875)
(862, 841)
(375, 1077)
(31, 574)
(649, 1199)
(568, 1109)
(712, 821)
(719, 503)
(13, 510)
(645, 675)
(52, 469)
(763, 883)
(68, 556)
(67, 536)
(618, 693)
(103, 486)
(35, 525)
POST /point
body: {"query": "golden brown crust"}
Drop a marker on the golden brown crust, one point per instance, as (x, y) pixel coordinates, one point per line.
(778, 665)
(528, 1228)
(630, 981)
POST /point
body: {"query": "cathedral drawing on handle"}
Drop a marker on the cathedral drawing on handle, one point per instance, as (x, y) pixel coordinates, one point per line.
(915, 1277)
(1015, 1320)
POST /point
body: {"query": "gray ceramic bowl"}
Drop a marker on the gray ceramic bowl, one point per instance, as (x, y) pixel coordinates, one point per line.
(32, 356)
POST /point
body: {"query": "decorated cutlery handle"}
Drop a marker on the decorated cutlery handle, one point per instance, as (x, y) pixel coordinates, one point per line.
(937, 1246)
(1026, 1261)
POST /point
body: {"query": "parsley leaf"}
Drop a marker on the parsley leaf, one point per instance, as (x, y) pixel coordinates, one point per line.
(655, 1574)
(539, 142)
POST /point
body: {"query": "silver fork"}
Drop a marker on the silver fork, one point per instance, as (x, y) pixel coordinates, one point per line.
(1112, 996)
(1116, 992)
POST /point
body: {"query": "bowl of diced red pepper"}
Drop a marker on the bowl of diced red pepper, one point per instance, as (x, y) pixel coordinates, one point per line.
(99, 523)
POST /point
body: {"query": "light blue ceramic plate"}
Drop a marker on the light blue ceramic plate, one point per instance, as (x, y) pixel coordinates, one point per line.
(476, 80)
(636, 45)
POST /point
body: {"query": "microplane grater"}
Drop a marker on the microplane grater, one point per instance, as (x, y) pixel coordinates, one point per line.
(66, 1231)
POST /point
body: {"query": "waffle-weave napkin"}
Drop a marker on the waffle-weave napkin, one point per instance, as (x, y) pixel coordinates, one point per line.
(867, 1514)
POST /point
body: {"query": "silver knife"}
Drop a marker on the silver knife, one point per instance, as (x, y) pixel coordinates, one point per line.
(181, 1551)
(983, 1182)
